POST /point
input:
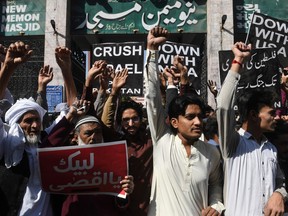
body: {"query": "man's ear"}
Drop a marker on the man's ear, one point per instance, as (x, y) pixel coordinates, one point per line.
(76, 137)
(174, 122)
(254, 115)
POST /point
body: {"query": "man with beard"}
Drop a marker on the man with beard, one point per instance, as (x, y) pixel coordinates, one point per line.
(19, 151)
(89, 130)
(140, 150)
(19, 140)
(129, 118)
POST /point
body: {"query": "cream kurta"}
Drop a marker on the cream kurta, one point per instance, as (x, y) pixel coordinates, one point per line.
(181, 185)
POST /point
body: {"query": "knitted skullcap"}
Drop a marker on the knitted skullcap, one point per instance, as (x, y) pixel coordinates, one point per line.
(86, 119)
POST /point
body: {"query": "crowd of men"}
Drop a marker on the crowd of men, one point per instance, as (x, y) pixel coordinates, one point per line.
(184, 158)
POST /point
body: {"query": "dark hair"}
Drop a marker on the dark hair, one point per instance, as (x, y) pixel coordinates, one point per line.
(128, 105)
(210, 127)
(254, 100)
(179, 104)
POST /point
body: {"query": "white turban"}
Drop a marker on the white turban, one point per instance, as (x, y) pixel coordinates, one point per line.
(14, 143)
(21, 107)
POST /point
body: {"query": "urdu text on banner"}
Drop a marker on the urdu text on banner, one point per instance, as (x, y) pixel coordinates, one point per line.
(88, 169)
(260, 70)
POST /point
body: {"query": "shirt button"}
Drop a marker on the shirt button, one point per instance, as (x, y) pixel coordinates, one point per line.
(262, 162)
(189, 165)
(263, 195)
(263, 178)
(188, 174)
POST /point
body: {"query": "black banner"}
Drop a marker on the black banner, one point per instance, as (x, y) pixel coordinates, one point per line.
(192, 60)
(268, 32)
(128, 55)
(260, 71)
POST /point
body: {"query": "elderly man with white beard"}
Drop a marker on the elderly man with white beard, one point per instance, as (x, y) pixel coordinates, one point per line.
(19, 140)
(19, 152)
(89, 130)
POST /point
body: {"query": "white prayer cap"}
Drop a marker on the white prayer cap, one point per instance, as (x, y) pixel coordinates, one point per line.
(86, 119)
(21, 107)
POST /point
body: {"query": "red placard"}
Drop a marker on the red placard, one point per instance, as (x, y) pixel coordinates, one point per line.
(87, 169)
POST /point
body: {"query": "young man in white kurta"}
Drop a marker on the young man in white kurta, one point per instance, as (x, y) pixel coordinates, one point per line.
(182, 184)
(253, 180)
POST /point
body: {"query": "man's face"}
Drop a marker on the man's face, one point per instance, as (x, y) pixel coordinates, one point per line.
(31, 126)
(189, 126)
(268, 119)
(130, 121)
(90, 133)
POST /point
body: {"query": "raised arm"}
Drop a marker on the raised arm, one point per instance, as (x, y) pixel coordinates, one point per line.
(155, 110)
(102, 92)
(16, 54)
(61, 131)
(212, 88)
(97, 69)
(44, 77)
(228, 136)
(171, 91)
(63, 59)
(109, 110)
(178, 64)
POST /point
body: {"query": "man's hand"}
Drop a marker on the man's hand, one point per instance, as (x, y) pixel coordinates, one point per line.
(172, 75)
(119, 80)
(63, 58)
(178, 62)
(45, 75)
(79, 108)
(241, 51)
(209, 211)
(16, 54)
(275, 205)
(105, 77)
(127, 184)
(156, 37)
(99, 67)
(212, 87)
